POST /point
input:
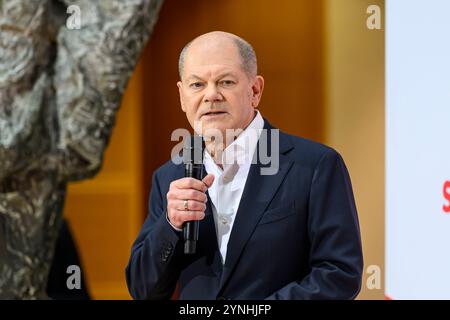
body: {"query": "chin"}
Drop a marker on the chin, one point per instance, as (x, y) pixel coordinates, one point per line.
(212, 127)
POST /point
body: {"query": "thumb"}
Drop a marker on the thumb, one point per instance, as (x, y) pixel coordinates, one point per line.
(208, 180)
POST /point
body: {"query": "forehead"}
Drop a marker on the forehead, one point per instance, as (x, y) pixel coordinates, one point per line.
(212, 57)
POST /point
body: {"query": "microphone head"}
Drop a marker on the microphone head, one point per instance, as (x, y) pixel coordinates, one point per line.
(194, 147)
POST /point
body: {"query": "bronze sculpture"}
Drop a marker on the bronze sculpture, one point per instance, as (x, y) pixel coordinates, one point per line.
(60, 89)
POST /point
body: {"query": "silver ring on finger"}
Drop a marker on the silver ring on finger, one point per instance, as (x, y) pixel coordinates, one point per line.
(186, 205)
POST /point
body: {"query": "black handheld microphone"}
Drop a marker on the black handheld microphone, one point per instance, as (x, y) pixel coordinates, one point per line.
(194, 147)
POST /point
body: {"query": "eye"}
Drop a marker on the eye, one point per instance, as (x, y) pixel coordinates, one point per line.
(227, 83)
(196, 85)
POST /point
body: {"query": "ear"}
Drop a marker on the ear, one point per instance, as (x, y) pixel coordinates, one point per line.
(257, 90)
(180, 91)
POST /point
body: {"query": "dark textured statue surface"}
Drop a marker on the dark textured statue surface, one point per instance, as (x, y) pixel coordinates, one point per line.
(60, 89)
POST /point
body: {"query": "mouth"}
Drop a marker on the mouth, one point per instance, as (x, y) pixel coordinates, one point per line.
(213, 114)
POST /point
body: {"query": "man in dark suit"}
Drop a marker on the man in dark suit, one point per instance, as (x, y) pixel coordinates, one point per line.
(286, 228)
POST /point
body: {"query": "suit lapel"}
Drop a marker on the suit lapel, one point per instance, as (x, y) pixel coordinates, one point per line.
(207, 225)
(208, 237)
(258, 192)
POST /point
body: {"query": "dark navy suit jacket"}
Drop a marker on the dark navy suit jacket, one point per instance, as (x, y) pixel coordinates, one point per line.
(295, 236)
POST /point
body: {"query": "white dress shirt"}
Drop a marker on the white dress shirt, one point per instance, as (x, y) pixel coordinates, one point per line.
(226, 190)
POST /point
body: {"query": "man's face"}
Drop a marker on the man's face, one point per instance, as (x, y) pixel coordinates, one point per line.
(215, 91)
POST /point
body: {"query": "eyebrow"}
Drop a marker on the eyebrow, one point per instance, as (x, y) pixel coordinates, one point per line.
(227, 74)
(195, 77)
(192, 77)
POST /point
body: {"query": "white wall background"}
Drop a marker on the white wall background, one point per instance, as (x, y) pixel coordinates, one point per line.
(417, 149)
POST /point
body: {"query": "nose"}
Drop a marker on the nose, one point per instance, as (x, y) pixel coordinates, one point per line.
(212, 94)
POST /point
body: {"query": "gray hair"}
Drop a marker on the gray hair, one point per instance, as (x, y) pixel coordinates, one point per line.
(246, 52)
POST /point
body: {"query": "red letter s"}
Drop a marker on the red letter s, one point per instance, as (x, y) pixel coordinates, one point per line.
(446, 208)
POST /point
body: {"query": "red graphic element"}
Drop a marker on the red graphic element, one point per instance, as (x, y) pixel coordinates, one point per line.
(446, 191)
(387, 297)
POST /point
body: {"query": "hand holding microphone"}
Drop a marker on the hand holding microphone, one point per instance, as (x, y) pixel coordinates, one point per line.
(186, 197)
(192, 191)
